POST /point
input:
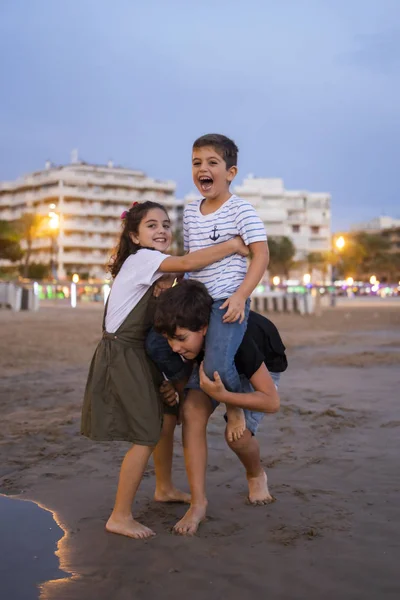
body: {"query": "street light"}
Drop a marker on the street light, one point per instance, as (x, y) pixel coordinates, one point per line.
(338, 246)
(350, 281)
(54, 220)
(54, 224)
(306, 278)
(340, 243)
(276, 280)
(372, 280)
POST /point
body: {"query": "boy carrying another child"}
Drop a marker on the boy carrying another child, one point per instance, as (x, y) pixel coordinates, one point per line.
(182, 317)
(217, 217)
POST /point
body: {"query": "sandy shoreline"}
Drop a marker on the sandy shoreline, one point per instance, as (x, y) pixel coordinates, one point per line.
(332, 456)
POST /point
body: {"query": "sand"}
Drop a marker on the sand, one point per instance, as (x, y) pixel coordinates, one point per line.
(332, 457)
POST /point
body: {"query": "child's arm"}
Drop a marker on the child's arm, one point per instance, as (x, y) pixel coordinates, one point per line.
(235, 304)
(202, 258)
(264, 399)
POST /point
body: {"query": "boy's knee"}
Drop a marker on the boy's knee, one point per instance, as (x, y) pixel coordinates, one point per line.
(194, 411)
(220, 363)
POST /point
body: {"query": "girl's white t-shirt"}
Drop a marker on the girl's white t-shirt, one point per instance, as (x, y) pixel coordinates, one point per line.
(137, 274)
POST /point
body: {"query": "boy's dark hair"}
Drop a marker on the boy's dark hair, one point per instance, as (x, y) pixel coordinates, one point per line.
(225, 147)
(130, 224)
(187, 305)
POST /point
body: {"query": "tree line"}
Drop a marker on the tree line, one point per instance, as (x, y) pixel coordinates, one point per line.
(364, 254)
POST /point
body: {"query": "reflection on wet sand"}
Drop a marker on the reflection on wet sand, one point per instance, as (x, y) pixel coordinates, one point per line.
(29, 537)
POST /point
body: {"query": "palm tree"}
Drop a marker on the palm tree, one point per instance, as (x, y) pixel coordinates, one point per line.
(320, 261)
(30, 226)
(281, 252)
(10, 248)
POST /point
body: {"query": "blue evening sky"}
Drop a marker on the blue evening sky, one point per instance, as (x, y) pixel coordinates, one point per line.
(309, 90)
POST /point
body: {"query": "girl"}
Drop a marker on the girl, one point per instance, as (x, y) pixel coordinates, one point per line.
(122, 399)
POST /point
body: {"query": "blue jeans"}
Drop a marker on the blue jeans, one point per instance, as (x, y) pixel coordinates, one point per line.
(253, 418)
(221, 344)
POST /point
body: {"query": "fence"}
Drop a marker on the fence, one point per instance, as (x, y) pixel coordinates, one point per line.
(18, 297)
(303, 304)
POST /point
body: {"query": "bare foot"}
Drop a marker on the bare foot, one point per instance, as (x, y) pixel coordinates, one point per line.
(129, 527)
(189, 524)
(236, 425)
(258, 490)
(171, 495)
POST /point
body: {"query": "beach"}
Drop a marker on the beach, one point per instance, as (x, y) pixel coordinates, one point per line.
(331, 454)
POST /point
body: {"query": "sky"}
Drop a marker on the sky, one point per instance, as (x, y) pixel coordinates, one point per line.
(308, 89)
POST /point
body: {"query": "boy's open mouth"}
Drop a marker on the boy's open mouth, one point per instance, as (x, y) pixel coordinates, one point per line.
(206, 183)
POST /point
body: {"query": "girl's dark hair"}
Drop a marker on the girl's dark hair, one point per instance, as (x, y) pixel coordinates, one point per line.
(131, 221)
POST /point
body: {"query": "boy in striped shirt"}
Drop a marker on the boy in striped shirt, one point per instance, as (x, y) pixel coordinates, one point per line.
(219, 216)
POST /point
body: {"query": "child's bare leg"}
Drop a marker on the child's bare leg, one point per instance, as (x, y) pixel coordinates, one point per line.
(162, 455)
(248, 452)
(236, 425)
(196, 412)
(121, 520)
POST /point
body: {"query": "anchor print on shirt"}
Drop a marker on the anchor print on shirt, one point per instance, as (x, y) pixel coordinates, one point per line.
(214, 236)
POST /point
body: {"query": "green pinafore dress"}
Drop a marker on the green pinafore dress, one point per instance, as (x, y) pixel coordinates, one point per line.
(122, 399)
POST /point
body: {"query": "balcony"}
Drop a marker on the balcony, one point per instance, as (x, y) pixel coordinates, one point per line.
(91, 227)
(71, 241)
(77, 258)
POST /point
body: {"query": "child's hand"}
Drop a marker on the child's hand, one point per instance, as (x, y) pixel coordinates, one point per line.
(242, 249)
(169, 393)
(235, 306)
(215, 389)
(162, 284)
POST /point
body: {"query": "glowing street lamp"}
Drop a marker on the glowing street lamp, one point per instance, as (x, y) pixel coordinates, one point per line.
(340, 243)
(54, 220)
(75, 278)
(372, 280)
(276, 280)
(350, 281)
(306, 278)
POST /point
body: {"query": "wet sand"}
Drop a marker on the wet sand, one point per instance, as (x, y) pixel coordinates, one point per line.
(332, 457)
(29, 537)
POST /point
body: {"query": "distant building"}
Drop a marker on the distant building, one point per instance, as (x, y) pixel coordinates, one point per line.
(393, 237)
(304, 217)
(88, 200)
(387, 227)
(377, 224)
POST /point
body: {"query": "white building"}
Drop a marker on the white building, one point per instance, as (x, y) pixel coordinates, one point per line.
(88, 200)
(304, 217)
(377, 224)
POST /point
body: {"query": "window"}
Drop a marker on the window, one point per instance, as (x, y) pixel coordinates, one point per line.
(296, 228)
(315, 229)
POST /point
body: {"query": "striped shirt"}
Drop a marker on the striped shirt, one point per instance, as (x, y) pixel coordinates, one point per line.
(235, 217)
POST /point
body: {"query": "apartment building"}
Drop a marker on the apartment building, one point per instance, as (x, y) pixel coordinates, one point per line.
(86, 202)
(302, 216)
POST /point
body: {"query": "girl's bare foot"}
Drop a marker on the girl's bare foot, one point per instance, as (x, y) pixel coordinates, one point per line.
(129, 527)
(236, 425)
(258, 490)
(171, 495)
(190, 523)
